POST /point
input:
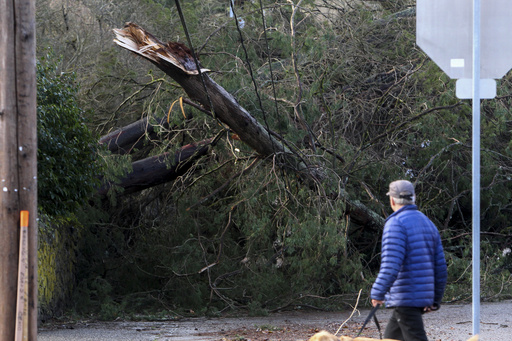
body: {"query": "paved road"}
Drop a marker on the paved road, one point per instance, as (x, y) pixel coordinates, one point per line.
(450, 323)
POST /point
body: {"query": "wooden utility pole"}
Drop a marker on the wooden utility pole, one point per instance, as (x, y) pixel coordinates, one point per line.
(18, 159)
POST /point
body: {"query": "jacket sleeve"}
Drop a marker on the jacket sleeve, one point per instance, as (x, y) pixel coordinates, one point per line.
(392, 258)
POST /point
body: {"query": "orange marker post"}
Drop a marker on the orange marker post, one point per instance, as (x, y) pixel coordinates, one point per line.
(21, 332)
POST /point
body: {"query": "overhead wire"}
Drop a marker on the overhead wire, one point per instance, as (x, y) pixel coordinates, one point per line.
(307, 127)
(269, 131)
(196, 61)
(269, 57)
(231, 4)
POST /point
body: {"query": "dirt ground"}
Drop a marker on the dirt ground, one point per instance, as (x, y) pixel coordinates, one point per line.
(451, 323)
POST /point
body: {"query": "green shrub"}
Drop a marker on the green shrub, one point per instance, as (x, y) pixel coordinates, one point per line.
(68, 168)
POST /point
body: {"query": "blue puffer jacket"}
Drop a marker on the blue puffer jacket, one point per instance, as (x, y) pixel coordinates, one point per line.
(413, 267)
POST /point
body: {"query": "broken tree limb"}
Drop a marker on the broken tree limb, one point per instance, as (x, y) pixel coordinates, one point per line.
(160, 169)
(124, 140)
(177, 62)
(128, 138)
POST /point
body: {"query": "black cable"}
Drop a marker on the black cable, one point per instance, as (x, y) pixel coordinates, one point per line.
(269, 58)
(198, 67)
(251, 73)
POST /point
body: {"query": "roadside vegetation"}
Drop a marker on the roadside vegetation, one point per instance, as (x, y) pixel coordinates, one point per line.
(341, 81)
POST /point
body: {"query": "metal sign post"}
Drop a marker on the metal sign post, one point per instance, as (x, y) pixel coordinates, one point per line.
(476, 167)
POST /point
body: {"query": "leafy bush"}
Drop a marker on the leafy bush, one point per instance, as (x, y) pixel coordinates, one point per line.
(68, 168)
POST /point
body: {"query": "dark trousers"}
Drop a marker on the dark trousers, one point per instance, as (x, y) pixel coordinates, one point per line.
(406, 324)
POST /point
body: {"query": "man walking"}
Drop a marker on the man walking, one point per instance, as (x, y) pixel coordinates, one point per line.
(412, 275)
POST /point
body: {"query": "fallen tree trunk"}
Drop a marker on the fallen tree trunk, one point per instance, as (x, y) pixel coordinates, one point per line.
(128, 138)
(159, 169)
(176, 60)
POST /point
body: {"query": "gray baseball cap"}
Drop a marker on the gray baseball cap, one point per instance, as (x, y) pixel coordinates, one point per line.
(401, 189)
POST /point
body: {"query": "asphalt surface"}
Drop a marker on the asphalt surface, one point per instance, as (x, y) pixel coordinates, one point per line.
(451, 323)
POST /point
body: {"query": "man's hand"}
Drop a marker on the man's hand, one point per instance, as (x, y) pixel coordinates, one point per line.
(431, 308)
(377, 302)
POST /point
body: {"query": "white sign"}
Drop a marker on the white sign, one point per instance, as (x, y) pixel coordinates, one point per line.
(444, 30)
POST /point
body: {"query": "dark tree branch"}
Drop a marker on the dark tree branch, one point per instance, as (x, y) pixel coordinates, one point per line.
(160, 169)
(124, 140)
